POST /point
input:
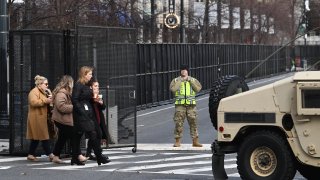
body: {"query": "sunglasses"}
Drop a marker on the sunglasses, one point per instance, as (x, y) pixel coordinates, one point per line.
(45, 84)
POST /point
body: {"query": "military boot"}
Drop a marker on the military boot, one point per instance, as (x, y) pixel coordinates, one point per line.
(177, 143)
(195, 142)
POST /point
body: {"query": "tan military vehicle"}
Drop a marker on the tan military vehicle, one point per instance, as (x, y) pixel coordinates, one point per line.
(274, 129)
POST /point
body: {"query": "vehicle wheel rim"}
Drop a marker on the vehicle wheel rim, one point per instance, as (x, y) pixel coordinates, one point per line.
(263, 161)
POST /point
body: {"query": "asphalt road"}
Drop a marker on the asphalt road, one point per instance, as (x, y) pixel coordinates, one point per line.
(156, 125)
(155, 158)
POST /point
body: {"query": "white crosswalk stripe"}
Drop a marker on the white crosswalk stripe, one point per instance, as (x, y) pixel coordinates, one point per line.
(148, 162)
(5, 167)
(145, 167)
(183, 163)
(125, 161)
(12, 159)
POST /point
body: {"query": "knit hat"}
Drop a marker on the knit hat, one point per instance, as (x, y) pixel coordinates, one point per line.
(184, 67)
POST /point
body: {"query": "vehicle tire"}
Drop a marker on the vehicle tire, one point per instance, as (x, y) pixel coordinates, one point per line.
(265, 155)
(309, 172)
(224, 87)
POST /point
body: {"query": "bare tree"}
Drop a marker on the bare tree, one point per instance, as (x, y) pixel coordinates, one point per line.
(232, 21)
(66, 14)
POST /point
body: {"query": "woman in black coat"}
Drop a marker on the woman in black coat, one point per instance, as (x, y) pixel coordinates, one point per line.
(100, 124)
(84, 117)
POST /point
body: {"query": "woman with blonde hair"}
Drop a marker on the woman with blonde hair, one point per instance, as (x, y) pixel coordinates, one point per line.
(84, 117)
(37, 128)
(62, 115)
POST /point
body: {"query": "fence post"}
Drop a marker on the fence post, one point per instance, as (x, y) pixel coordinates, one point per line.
(4, 102)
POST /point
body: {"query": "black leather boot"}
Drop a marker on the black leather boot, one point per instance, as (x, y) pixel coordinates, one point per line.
(91, 157)
(77, 162)
(101, 159)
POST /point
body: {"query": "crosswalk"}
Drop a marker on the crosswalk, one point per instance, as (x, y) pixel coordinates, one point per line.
(196, 163)
(163, 162)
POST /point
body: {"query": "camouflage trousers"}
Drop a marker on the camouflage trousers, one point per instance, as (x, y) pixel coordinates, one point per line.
(180, 114)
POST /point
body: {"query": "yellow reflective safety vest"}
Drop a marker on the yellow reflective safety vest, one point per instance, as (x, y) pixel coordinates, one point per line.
(185, 95)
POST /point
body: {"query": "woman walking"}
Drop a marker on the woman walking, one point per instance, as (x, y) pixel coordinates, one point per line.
(84, 117)
(101, 127)
(39, 99)
(62, 116)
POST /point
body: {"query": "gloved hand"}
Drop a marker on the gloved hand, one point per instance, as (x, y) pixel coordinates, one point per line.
(178, 79)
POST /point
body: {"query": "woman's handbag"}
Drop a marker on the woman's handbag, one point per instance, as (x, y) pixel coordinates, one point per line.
(52, 129)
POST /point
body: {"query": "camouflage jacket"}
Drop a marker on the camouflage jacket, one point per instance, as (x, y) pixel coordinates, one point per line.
(175, 84)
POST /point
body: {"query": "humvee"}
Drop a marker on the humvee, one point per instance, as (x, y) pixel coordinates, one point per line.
(274, 129)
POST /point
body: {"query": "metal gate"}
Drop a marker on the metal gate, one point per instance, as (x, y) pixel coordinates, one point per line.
(31, 53)
(112, 51)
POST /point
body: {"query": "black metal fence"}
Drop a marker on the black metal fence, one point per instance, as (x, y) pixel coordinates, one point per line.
(111, 51)
(131, 75)
(158, 64)
(31, 53)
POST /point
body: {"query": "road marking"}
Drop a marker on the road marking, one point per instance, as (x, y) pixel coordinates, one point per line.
(93, 164)
(12, 159)
(175, 158)
(169, 163)
(170, 107)
(187, 170)
(203, 109)
(136, 168)
(5, 167)
(234, 175)
(155, 111)
(169, 147)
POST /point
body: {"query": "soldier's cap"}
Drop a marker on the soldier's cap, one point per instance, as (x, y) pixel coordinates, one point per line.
(184, 67)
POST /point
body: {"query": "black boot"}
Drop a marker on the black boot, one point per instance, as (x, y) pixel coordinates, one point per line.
(102, 159)
(91, 157)
(77, 162)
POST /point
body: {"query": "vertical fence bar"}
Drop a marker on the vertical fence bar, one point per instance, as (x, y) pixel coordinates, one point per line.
(4, 100)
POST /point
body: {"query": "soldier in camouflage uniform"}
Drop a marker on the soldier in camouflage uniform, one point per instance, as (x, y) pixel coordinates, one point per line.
(185, 88)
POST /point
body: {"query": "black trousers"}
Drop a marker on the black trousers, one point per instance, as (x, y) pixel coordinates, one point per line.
(95, 142)
(90, 145)
(34, 144)
(65, 134)
(99, 138)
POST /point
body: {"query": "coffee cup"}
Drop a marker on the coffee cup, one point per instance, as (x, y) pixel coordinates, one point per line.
(100, 96)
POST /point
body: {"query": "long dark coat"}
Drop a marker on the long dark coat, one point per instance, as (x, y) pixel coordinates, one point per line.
(83, 112)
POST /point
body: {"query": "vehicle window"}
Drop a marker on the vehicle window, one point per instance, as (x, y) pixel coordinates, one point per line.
(310, 98)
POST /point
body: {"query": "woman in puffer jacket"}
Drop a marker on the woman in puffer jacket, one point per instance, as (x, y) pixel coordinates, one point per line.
(62, 116)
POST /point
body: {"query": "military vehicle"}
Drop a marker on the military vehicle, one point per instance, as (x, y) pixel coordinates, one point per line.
(274, 129)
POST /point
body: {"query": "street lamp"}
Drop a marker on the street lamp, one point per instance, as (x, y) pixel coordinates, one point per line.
(181, 22)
